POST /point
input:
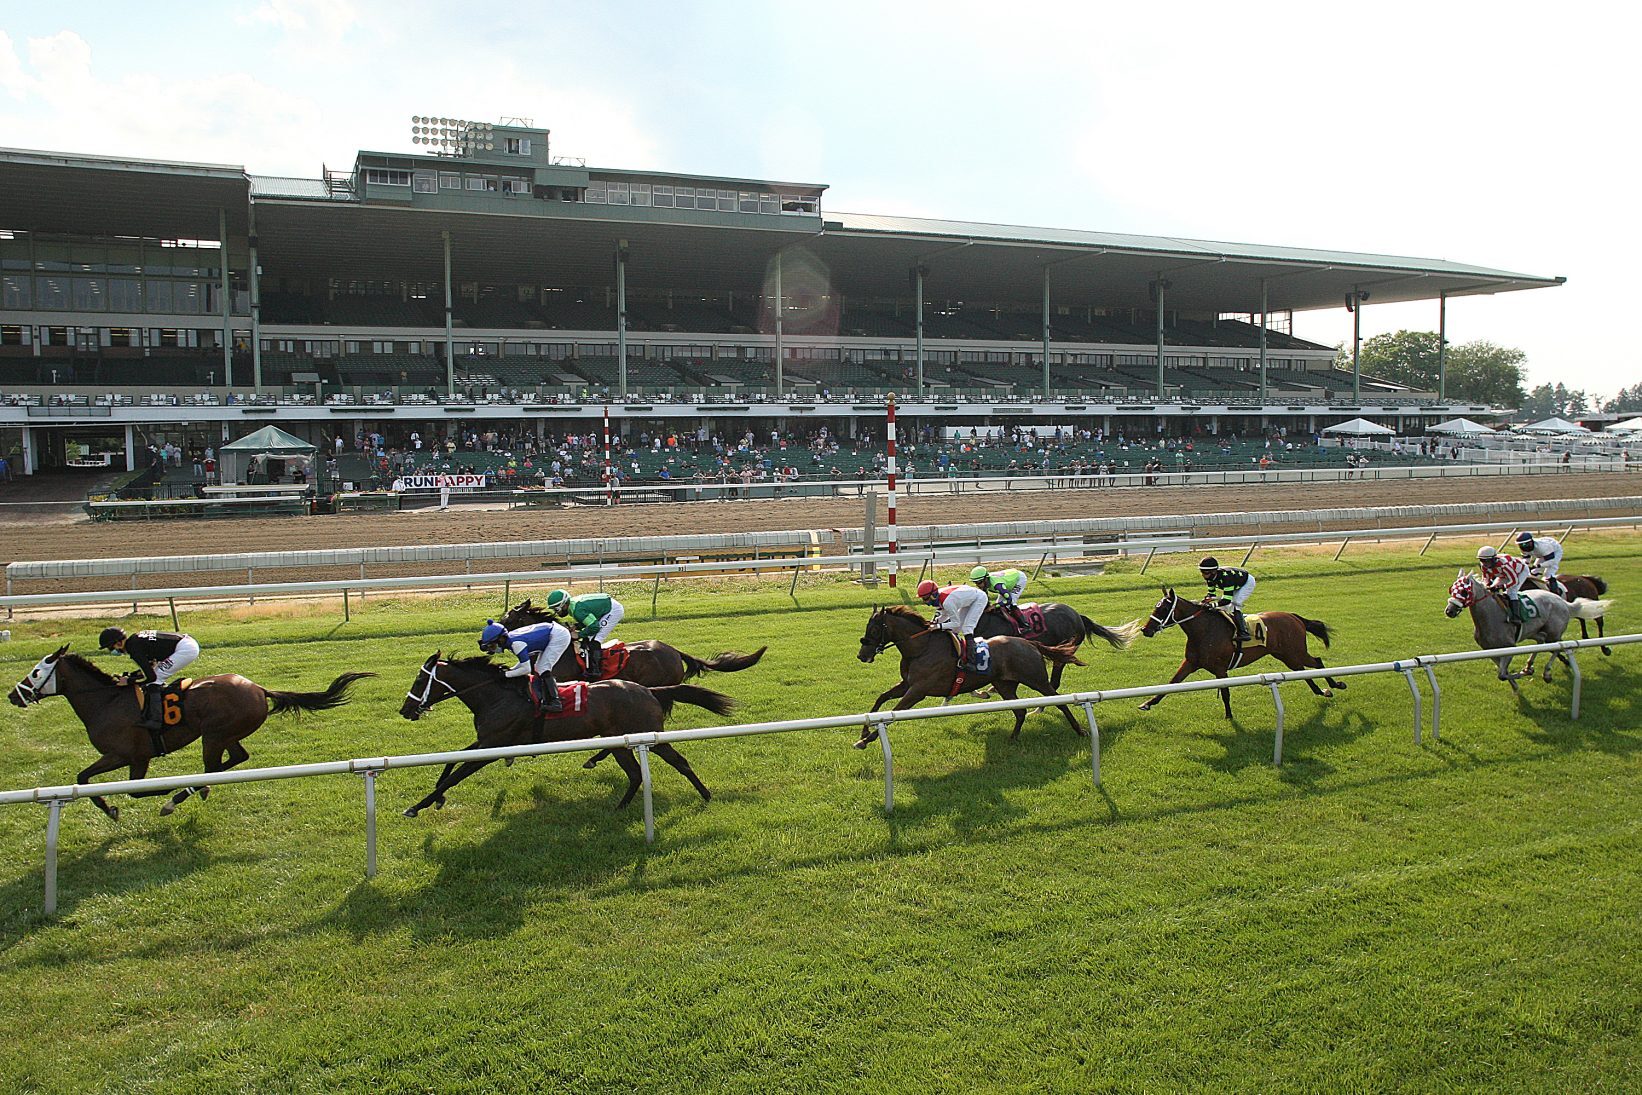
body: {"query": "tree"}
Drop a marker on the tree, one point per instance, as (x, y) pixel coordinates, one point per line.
(1547, 400)
(1627, 401)
(1481, 372)
(1403, 357)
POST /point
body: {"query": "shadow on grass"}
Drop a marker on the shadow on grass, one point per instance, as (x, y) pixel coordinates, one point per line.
(168, 853)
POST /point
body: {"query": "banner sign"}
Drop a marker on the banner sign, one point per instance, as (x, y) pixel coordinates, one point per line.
(435, 482)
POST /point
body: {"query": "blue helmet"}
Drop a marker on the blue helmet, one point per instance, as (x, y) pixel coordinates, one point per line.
(1525, 539)
(491, 637)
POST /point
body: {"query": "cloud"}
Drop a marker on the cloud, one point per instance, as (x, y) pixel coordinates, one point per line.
(314, 21)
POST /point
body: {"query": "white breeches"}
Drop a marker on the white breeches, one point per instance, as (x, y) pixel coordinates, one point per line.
(1549, 565)
(961, 615)
(187, 650)
(608, 622)
(1242, 593)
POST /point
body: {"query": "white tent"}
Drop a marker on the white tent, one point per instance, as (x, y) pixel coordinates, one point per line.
(1554, 425)
(1630, 425)
(1360, 427)
(1460, 427)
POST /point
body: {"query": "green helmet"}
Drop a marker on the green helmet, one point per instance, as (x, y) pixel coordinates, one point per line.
(979, 574)
(559, 601)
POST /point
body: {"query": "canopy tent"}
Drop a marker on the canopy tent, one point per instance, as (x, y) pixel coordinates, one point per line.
(1460, 427)
(1630, 425)
(269, 455)
(1554, 425)
(1360, 427)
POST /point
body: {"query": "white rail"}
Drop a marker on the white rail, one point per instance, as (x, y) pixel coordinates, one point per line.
(1016, 549)
(55, 798)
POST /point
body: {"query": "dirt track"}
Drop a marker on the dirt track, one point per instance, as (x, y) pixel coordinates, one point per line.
(40, 537)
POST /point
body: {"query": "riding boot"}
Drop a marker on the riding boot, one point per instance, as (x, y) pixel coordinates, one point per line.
(593, 654)
(547, 694)
(970, 654)
(1243, 634)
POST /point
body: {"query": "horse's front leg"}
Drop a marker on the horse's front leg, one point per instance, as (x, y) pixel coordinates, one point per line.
(1601, 633)
(868, 733)
(107, 763)
(447, 779)
(1187, 668)
(899, 690)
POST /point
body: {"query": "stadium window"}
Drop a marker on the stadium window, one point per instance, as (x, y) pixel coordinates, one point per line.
(595, 190)
(617, 193)
(15, 292)
(384, 177)
(125, 295)
(186, 298)
(664, 196)
(518, 146)
(170, 338)
(684, 197)
(450, 182)
(11, 335)
(120, 336)
(88, 294)
(794, 203)
(157, 296)
(516, 185)
(52, 293)
(749, 202)
(726, 201)
(768, 203)
(641, 193)
(475, 182)
(425, 183)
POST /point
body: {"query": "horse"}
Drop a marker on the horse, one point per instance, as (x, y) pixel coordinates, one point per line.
(1210, 642)
(650, 662)
(1587, 587)
(1494, 627)
(1061, 623)
(929, 665)
(221, 711)
(504, 715)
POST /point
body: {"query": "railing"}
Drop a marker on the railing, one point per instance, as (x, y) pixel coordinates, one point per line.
(867, 563)
(55, 798)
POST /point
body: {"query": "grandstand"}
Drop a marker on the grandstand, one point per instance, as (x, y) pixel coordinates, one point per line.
(500, 284)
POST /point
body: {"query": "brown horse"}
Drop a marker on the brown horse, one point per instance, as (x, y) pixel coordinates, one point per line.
(929, 665)
(1210, 645)
(220, 711)
(649, 662)
(1576, 587)
(504, 715)
(1061, 623)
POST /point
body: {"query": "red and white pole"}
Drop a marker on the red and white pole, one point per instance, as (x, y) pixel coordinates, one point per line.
(889, 436)
(609, 486)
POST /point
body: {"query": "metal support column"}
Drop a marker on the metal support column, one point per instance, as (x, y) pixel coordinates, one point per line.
(52, 824)
(889, 766)
(1263, 319)
(227, 301)
(1442, 347)
(370, 823)
(31, 463)
(621, 318)
(779, 348)
(649, 800)
(130, 447)
(1160, 286)
(450, 338)
(1357, 298)
(256, 311)
(1046, 332)
(918, 320)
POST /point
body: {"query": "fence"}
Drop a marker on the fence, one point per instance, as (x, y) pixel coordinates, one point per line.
(55, 798)
(1014, 549)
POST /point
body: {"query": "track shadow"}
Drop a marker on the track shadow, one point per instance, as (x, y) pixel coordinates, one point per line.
(169, 852)
(1328, 725)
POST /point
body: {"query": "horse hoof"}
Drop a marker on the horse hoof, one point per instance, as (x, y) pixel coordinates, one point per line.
(410, 811)
(1328, 693)
(113, 813)
(863, 743)
(205, 793)
(1145, 707)
(590, 763)
(1341, 686)
(168, 809)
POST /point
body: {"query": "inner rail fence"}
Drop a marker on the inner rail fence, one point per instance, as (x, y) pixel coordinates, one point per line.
(370, 768)
(866, 564)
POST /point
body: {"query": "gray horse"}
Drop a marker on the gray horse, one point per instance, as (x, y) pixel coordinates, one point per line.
(1495, 628)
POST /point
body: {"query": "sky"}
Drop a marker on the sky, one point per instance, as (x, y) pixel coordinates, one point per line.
(1497, 134)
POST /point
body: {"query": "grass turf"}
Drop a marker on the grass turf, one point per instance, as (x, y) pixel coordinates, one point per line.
(1459, 915)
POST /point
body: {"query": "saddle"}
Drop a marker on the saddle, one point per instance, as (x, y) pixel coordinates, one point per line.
(171, 699)
(572, 697)
(1256, 622)
(611, 663)
(1031, 624)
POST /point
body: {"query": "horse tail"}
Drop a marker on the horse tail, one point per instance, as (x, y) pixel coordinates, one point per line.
(1601, 586)
(1590, 610)
(1065, 653)
(731, 661)
(1317, 628)
(694, 695)
(1120, 636)
(334, 696)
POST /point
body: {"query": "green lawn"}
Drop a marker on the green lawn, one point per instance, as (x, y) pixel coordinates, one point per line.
(1464, 914)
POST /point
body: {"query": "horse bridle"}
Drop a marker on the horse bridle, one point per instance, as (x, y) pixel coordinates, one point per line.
(882, 630)
(1169, 620)
(30, 693)
(426, 700)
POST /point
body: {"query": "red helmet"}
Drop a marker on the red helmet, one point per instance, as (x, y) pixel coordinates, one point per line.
(927, 589)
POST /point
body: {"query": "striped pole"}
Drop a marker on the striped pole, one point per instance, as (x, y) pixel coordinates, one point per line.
(889, 437)
(609, 487)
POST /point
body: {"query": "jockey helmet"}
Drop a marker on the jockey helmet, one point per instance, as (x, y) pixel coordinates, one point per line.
(1209, 563)
(491, 637)
(111, 638)
(559, 601)
(1486, 554)
(979, 574)
(1525, 539)
(927, 589)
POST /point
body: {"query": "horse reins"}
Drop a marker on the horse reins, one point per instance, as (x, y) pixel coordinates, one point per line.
(424, 702)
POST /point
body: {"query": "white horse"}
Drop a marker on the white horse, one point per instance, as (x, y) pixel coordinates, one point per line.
(1495, 628)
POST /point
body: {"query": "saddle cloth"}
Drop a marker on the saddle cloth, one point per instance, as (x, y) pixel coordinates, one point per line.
(1257, 626)
(983, 653)
(1033, 625)
(171, 705)
(1530, 610)
(611, 664)
(572, 696)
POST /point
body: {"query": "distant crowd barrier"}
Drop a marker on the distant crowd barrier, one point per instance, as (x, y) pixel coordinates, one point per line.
(55, 798)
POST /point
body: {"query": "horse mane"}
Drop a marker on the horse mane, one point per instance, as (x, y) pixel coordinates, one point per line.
(477, 661)
(905, 612)
(86, 664)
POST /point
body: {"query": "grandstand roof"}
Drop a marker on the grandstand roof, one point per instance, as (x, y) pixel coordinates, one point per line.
(302, 228)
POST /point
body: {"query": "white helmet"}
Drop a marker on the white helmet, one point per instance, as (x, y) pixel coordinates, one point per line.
(1486, 553)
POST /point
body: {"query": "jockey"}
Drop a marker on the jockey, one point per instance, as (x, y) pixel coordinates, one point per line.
(1009, 585)
(538, 648)
(1505, 575)
(592, 616)
(1544, 554)
(1229, 587)
(960, 610)
(158, 655)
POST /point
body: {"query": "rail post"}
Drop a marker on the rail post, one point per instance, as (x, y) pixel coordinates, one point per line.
(889, 765)
(1342, 550)
(1094, 740)
(1277, 743)
(1436, 697)
(1037, 570)
(1573, 667)
(370, 822)
(507, 594)
(1248, 554)
(1151, 551)
(52, 823)
(1429, 541)
(649, 802)
(655, 592)
(347, 613)
(250, 579)
(792, 589)
(1505, 543)
(172, 601)
(1414, 689)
